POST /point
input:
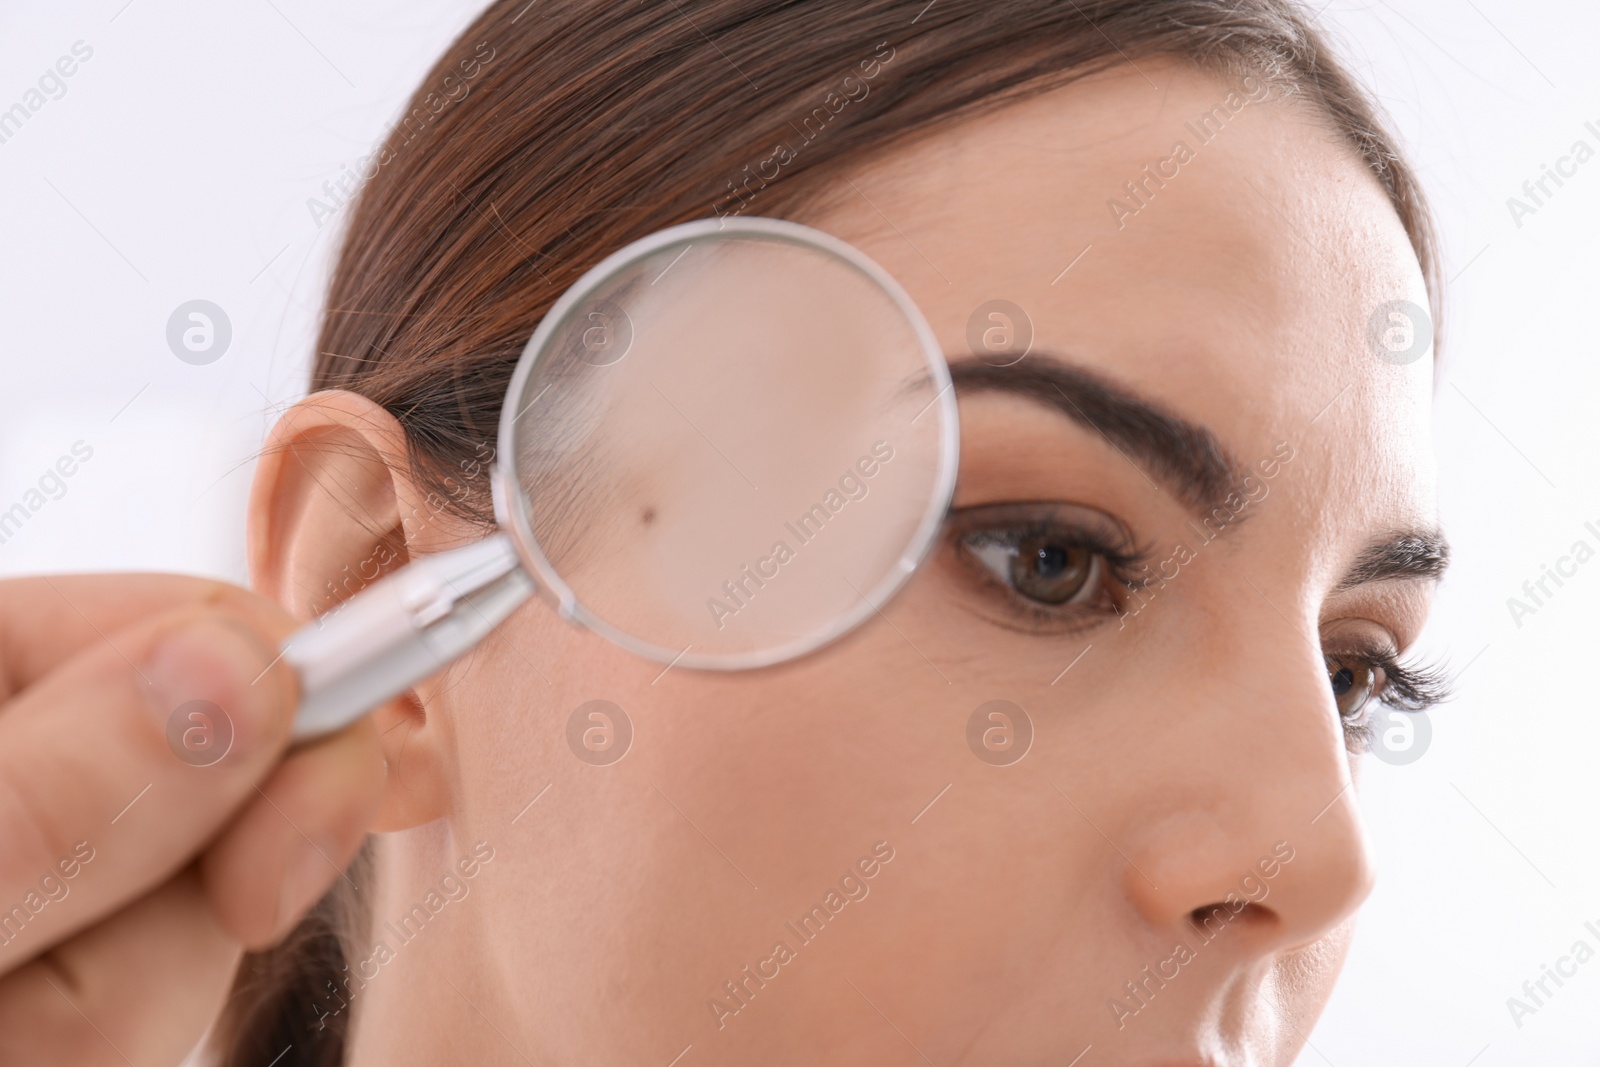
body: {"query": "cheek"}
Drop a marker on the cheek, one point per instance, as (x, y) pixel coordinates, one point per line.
(781, 779)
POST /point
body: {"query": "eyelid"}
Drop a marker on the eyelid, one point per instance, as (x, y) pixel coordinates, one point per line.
(1399, 608)
(1358, 636)
(1096, 528)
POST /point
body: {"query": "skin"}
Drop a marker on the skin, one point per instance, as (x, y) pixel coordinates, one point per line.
(1188, 753)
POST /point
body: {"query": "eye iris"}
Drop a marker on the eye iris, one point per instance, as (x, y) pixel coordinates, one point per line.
(1050, 572)
(1352, 683)
(1343, 679)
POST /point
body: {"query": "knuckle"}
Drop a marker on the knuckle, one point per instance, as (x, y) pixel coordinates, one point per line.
(35, 833)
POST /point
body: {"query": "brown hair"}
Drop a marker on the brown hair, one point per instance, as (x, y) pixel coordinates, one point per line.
(552, 133)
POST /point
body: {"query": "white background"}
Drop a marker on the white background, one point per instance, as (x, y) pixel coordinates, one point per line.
(178, 165)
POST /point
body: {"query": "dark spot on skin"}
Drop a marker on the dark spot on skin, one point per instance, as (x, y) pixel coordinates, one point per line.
(649, 516)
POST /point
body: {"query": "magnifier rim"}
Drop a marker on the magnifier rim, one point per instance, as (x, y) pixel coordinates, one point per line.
(507, 489)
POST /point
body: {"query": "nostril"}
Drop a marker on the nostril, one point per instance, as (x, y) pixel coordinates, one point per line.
(1212, 919)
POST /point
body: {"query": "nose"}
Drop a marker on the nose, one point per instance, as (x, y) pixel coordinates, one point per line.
(1247, 818)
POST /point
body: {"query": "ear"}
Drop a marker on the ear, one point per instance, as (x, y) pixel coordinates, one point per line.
(332, 509)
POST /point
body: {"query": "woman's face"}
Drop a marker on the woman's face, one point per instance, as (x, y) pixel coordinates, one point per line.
(1191, 489)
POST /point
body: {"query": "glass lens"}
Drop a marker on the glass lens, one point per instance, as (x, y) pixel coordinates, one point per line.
(732, 446)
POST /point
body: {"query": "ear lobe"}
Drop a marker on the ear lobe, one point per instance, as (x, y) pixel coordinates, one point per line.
(326, 507)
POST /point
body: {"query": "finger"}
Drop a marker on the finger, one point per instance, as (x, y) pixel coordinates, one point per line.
(139, 988)
(46, 620)
(290, 843)
(104, 792)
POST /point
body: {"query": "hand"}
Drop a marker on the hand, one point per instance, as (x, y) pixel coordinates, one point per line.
(153, 822)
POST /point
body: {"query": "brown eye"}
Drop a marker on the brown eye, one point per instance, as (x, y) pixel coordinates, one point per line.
(1041, 568)
(1046, 566)
(1353, 682)
(1050, 573)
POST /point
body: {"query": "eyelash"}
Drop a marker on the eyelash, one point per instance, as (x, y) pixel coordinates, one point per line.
(1404, 687)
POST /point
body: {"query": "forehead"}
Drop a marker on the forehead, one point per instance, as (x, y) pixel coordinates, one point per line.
(1199, 239)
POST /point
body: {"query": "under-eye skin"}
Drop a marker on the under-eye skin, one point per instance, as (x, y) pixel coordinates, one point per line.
(1362, 677)
(1045, 567)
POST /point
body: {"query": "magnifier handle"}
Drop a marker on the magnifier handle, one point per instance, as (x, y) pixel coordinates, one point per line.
(400, 630)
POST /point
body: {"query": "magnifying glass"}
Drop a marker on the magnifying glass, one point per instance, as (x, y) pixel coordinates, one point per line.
(725, 446)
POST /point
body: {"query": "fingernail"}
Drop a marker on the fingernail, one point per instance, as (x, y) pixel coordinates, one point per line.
(209, 686)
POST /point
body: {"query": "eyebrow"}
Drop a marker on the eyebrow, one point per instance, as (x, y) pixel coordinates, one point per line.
(1185, 456)
(1410, 556)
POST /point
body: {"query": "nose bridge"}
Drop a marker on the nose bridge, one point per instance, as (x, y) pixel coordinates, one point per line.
(1246, 803)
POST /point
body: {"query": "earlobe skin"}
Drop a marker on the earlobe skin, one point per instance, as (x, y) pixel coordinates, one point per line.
(330, 488)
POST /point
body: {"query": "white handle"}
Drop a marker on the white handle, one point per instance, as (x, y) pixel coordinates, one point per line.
(407, 626)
